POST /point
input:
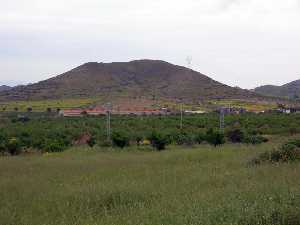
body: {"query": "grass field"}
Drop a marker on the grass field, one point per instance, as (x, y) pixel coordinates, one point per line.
(182, 186)
(41, 106)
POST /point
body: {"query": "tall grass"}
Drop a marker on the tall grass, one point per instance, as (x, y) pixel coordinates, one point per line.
(200, 185)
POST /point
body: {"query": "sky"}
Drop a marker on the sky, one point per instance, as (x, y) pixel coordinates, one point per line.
(245, 43)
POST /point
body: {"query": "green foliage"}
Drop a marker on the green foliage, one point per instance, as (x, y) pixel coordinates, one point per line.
(54, 146)
(13, 146)
(183, 138)
(235, 135)
(198, 186)
(158, 140)
(200, 137)
(215, 137)
(286, 153)
(35, 130)
(254, 139)
(91, 142)
(120, 139)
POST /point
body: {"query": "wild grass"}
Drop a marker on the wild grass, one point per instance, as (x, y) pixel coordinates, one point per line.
(198, 185)
(43, 105)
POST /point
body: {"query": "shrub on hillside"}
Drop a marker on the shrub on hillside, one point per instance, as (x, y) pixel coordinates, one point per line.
(120, 140)
(215, 137)
(235, 135)
(158, 141)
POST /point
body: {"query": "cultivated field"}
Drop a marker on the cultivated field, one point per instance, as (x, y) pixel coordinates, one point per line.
(182, 185)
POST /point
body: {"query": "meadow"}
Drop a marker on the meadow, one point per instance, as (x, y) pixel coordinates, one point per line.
(180, 186)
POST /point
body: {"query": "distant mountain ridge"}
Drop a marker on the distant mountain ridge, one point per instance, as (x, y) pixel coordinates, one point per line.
(290, 90)
(5, 88)
(136, 78)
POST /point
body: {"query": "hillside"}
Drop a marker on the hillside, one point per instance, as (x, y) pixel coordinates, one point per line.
(148, 78)
(290, 90)
(4, 88)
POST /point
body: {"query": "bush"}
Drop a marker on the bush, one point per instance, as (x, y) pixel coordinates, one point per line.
(105, 143)
(120, 140)
(3, 143)
(91, 142)
(54, 146)
(139, 140)
(13, 146)
(236, 135)
(199, 138)
(215, 137)
(295, 142)
(255, 139)
(286, 153)
(158, 141)
(184, 139)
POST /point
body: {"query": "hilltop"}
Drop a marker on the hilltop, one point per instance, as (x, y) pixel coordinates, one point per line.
(147, 78)
(290, 90)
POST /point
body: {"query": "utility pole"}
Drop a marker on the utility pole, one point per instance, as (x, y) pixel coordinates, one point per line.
(181, 116)
(222, 119)
(108, 122)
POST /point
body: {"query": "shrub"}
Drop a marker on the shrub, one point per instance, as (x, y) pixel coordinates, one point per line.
(120, 139)
(255, 139)
(295, 142)
(184, 139)
(215, 137)
(236, 135)
(91, 142)
(158, 141)
(105, 143)
(286, 153)
(13, 146)
(54, 146)
(139, 140)
(199, 138)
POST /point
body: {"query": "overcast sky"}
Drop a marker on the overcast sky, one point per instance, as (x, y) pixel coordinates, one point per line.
(243, 43)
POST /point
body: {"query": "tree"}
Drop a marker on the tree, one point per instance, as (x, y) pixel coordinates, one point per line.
(13, 146)
(120, 139)
(236, 135)
(158, 141)
(215, 137)
(91, 142)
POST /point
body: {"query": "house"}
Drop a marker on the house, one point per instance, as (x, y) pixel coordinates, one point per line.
(194, 112)
(102, 111)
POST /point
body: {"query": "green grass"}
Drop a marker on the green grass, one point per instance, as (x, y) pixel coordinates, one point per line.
(200, 185)
(41, 106)
(248, 105)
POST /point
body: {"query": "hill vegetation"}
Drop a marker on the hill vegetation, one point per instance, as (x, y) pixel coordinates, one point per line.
(290, 90)
(148, 78)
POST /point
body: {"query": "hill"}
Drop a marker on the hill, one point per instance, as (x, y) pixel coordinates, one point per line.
(4, 88)
(148, 78)
(290, 90)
